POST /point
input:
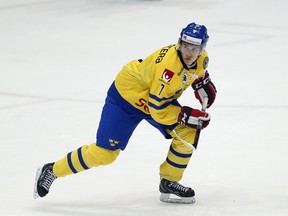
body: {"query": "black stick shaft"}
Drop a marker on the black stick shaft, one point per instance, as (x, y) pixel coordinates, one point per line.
(198, 131)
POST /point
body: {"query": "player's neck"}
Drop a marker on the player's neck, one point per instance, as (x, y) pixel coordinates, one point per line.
(192, 65)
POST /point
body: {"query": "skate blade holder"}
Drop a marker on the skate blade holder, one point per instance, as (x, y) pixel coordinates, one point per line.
(35, 192)
(172, 198)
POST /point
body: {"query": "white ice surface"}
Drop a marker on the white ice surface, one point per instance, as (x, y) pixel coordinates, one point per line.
(57, 60)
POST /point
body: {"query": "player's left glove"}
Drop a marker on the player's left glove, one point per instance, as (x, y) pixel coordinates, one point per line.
(203, 87)
(192, 117)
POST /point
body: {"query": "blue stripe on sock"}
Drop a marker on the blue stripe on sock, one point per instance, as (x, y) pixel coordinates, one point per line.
(182, 166)
(180, 154)
(70, 163)
(81, 159)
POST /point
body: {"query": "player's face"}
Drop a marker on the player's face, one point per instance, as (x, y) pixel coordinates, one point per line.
(189, 52)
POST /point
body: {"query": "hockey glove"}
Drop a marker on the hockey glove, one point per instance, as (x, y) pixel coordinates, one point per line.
(203, 87)
(192, 117)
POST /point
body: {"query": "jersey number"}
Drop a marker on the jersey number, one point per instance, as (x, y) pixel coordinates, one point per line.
(162, 87)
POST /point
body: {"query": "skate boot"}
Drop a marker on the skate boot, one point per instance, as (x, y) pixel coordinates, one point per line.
(44, 180)
(174, 192)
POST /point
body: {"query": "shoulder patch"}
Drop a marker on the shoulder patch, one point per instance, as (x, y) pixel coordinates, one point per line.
(205, 62)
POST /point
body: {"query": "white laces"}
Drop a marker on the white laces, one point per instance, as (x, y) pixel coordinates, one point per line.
(178, 186)
(48, 180)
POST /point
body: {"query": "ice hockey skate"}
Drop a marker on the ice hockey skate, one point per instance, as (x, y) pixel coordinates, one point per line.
(173, 192)
(44, 180)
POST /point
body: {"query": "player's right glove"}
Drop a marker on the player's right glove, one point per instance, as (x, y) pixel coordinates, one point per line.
(192, 117)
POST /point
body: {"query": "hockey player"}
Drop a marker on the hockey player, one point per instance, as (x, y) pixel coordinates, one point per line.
(148, 89)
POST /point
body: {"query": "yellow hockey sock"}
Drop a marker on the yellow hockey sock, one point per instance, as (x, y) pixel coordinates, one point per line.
(84, 158)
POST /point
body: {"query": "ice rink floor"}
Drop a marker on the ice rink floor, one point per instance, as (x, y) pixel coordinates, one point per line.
(57, 60)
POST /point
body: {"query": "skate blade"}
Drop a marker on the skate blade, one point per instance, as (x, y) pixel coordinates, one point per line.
(171, 198)
(35, 192)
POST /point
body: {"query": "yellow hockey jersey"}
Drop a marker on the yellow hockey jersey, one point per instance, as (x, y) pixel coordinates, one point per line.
(152, 85)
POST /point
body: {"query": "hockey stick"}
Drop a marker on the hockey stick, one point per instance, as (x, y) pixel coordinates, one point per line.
(195, 144)
(204, 106)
